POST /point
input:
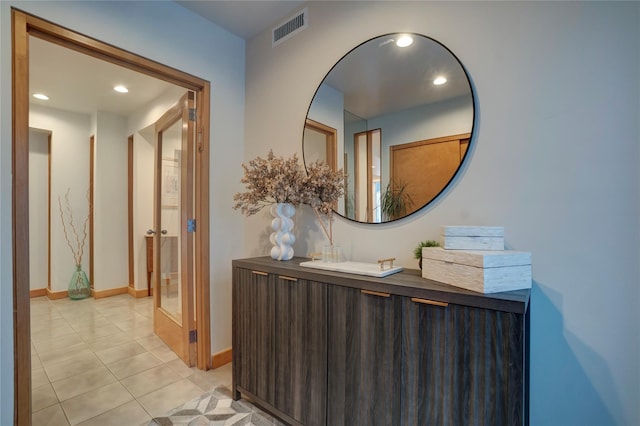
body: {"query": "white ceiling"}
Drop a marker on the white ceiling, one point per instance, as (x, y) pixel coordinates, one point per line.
(242, 17)
(80, 83)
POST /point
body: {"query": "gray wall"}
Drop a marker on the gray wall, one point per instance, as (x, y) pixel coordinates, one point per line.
(555, 160)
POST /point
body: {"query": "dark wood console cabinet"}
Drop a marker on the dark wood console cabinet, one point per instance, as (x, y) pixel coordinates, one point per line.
(328, 348)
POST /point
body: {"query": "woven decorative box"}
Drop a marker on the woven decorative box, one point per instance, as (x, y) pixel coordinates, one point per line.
(472, 237)
(482, 271)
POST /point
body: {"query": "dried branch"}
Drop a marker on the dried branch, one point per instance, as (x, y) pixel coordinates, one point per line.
(76, 244)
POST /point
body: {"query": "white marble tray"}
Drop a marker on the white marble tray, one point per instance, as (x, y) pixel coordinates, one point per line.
(359, 268)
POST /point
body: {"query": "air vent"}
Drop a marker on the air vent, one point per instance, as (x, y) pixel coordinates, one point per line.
(290, 28)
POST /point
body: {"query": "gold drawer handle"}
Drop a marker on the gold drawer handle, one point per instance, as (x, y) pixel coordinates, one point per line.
(315, 255)
(429, 302)
(284, 277)
(375, 293)
(260, 273)
(389, 261)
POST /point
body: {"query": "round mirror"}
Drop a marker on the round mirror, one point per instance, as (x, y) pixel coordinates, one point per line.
(396, 114)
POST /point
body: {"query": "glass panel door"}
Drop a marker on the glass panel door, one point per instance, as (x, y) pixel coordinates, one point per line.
(173, 316)
(170, 279)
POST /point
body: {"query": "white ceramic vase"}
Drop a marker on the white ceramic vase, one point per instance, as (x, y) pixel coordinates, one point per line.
(282, 237)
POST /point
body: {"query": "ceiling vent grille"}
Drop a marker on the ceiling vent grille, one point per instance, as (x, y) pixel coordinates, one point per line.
(290, 28)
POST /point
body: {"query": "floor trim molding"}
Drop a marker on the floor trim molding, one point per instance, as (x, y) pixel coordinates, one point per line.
(38, 292)
(221, 358)
(55, 295)
(110, 292)
(138, 293)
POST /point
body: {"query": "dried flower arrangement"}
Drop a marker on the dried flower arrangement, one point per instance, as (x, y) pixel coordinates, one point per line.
(269, 181)
(279, 180)
(66, 216)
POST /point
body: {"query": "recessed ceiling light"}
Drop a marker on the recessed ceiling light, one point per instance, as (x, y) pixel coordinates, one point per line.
(439, 81)
(41, 96)
(121, 89)
(404, 41)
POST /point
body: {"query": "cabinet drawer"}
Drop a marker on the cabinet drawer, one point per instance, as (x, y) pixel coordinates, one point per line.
(363, 357)
(253, 324)
(461, 363)
(279, 344)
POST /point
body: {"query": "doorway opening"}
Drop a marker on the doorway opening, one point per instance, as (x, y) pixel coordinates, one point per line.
(24, 27)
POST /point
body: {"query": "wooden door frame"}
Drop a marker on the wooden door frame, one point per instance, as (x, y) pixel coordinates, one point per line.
(331, 141)
(23, 26)
(130, 236)
(92, 171)
(369, 147)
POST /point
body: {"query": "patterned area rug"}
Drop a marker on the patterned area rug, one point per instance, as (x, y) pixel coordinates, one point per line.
(216, 408)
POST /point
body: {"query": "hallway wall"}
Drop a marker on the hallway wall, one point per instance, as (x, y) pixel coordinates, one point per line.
(555, 160)
(70, 134)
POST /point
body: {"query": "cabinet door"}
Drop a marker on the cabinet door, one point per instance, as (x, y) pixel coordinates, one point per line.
(301, 349)
(461, 365)
(363, 358)
(253, 333)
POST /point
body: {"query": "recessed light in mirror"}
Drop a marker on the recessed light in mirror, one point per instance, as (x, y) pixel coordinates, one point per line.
(439, 81)
(41, 96)
(404, 41)
(121, 89)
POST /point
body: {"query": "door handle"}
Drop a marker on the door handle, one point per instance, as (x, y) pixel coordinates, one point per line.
(429, 302)
(153, 232)
(375, 293)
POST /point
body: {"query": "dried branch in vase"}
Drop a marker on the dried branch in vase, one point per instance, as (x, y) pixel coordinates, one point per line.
(75, 240)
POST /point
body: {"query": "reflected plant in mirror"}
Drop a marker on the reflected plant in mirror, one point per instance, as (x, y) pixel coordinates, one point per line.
(397, 119)
(396, 201)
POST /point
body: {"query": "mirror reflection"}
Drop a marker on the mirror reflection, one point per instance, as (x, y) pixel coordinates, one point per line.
(397, 119)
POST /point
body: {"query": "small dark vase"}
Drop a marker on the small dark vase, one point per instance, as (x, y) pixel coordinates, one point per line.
(420, 263)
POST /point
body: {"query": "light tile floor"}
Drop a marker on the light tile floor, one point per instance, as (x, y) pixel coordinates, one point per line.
(98, 362)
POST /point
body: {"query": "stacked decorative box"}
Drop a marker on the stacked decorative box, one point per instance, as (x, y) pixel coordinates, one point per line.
(473, 257)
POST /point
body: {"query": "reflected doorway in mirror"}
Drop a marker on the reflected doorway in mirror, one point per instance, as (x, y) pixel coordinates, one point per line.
(377, 85)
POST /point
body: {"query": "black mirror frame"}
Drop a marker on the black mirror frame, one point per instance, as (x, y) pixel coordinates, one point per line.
(471, 138)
